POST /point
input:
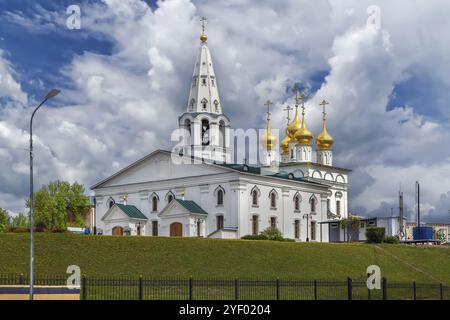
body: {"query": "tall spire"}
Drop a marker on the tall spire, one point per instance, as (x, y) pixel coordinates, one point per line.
(295, 124)
(285, 142)
(324, 141)
(268, 140)
(204, 94)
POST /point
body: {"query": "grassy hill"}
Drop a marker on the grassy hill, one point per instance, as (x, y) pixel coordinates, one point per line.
(210, 258)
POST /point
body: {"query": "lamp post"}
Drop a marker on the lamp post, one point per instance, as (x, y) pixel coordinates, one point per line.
(52, 93)
(306, 215)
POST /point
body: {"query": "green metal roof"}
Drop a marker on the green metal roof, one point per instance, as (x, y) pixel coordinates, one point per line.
(131, 211)
(242, 167)
(191, 206)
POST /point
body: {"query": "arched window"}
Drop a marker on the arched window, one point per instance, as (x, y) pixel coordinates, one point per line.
(154, 203)
(338, 207)
(297, 203)
(205, 132)
(111, 202)
(255, 197)
(169, 197)
(220, 198)
(313, 204)
(273, 199)
(192, 104)
(204, 103)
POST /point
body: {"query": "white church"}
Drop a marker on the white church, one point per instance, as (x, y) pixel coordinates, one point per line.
(196, 191)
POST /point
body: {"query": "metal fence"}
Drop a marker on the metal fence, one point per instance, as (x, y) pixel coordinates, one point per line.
(140, 288)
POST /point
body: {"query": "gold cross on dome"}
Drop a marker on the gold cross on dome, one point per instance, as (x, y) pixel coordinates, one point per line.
(268, 104)
(324, 104)
(288, 109)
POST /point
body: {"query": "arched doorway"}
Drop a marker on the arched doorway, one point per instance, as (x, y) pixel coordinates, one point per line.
(176, 229)
(117, 231)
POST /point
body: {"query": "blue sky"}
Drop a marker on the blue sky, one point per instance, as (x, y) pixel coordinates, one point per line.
(125, 78)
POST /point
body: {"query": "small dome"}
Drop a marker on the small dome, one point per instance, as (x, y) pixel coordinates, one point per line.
(293, 127)
(203, 37)
(324, 140)
(285, 145)
(304, 135)
(268, 140)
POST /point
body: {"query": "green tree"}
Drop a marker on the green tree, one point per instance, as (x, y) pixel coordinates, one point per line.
(20, 221)
(60, 203)
(4, 220)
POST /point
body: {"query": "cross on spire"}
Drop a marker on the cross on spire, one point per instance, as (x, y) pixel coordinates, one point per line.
(324, 103)
(203, 20)
(288, 110)
(268, 104)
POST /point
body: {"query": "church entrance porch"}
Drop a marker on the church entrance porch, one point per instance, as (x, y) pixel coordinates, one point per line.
(117, 231)
(176, 229)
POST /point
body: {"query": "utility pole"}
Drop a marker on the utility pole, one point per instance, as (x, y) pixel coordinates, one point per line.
(401, 214)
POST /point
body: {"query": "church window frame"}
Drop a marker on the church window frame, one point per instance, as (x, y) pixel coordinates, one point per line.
(273, 221)
(273, 197)
(297, 228)
(154, 202)
(205, 132)
(204, 103)
(203, 80)
(338, 207)
(219, 193)
(297, 202)
(255, 224)
(313, 204)
(170, 196)
(255, 194)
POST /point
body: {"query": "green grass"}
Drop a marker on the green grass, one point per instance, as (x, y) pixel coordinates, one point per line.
(157, 257)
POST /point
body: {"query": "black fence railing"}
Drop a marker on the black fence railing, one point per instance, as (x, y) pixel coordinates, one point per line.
(139, 288)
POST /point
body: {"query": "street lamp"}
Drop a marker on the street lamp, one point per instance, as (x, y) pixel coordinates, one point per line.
(306, 215)
(52, 93)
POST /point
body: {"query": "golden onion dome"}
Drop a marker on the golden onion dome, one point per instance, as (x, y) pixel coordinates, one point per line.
(324, 140)
(268, 140)
(285, 145)
(203, 37)
(303, 135)
(294, 125)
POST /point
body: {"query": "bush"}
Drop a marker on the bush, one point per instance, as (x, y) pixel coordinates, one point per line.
(272, 234)
(375, 235)
(254, 237)
(391, 239)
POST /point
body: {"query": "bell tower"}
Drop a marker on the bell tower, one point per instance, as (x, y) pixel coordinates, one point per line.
(206, 128)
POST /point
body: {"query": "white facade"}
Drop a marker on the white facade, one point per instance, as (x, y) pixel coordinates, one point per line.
(217, 199)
